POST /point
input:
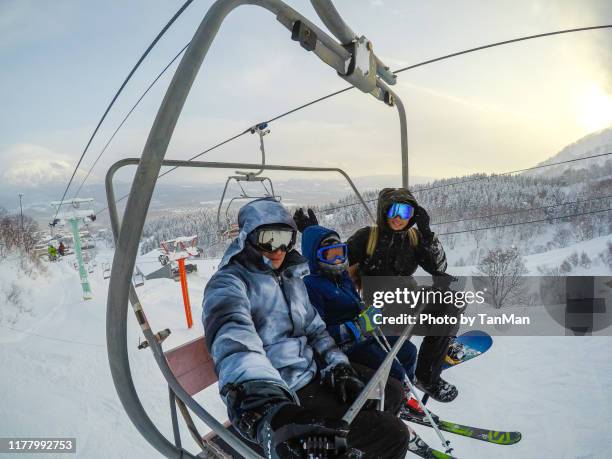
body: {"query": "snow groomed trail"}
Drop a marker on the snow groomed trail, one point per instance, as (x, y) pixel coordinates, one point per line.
(55, 379)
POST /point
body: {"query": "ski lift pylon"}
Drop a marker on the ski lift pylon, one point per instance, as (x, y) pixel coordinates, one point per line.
(138, 277)
(355, 63)
(178, 250)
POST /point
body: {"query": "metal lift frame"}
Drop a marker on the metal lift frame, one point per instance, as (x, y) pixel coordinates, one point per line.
(354, 61)
(117, 348)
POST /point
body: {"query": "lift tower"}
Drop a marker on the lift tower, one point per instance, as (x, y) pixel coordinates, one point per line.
(76, 212)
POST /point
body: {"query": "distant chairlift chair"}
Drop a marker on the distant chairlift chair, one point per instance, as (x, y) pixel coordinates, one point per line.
(138, 277)
(106, 273)
(228, 229)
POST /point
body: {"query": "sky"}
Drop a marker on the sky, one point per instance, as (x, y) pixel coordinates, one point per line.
(491, 111)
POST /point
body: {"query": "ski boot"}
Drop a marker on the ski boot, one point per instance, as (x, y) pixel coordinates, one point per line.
(439, 390)
(417, 446)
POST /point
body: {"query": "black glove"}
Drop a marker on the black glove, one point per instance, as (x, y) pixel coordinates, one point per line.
(343, 380)
(296, 432)
(421, 217)
(303, 221)
(443, 281)
(250, 402)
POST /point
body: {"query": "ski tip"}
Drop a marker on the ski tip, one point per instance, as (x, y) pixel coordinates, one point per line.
(504, 438)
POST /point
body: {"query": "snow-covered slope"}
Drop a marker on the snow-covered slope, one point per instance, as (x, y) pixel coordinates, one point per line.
(55, 379)
(596, 143)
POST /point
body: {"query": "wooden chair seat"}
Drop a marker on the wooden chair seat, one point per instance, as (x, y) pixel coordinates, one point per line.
(192, 365)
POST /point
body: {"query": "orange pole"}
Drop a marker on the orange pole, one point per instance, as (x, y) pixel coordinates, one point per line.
(181, 263)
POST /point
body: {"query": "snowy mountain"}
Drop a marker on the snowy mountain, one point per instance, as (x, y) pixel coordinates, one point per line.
(187, 195)
(596, 143)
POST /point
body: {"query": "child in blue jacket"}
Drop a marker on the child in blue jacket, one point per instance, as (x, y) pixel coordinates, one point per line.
(332, 293)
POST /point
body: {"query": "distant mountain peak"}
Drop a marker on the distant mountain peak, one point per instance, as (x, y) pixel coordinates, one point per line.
(593, 144)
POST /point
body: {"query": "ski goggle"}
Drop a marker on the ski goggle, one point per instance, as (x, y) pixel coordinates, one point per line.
(271, 239)
(333, 254)
(400, 209)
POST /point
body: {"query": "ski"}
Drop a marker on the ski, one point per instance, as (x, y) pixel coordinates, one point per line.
(497, 437)
(420, 448)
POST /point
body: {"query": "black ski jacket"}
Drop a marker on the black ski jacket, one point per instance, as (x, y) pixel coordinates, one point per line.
(397, 253)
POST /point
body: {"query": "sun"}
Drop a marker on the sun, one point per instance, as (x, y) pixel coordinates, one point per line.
(595, 108)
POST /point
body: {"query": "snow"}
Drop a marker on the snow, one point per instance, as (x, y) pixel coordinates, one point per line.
(56, 381)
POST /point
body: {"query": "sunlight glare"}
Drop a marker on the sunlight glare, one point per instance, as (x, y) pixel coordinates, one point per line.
(595, 108)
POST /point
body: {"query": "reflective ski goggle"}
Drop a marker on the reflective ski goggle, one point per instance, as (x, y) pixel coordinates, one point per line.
(333, 254)
(271, 239)
(400, 209)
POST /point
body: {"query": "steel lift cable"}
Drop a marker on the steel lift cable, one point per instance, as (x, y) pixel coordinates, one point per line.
(526, 223)
(125, 118)
(125, 82)
(420, 64)
(477, 179)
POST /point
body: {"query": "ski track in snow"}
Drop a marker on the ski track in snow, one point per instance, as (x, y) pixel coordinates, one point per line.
(556, 391)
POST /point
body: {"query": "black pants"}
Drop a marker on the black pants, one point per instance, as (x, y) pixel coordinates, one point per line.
(379, 434)
(431, 357)
(435, 346)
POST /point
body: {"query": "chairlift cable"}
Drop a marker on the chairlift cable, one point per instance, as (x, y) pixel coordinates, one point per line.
(142, 58)
(420, 64)
(531, 209)
(524, 223)
(512, 172)
(500, 43)
(476, 179)
(128, 115)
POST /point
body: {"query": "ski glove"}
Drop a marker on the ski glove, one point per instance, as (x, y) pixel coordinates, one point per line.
(442, 281)
(250, 402)
(365, 320)
(421, 217)
(303, 221)
(294, 432)
(343, 380)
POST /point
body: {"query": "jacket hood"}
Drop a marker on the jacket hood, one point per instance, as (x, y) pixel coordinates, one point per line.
(388, 196)
(264, 211)
(311, 239)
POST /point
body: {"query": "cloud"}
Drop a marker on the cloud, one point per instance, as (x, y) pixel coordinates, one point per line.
(31, 165)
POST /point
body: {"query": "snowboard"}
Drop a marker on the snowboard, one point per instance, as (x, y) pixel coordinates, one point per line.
(467, 346)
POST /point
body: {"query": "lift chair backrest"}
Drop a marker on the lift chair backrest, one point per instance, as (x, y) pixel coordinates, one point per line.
(192, 365)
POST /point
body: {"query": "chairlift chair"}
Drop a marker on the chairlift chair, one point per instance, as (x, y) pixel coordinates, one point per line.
(106, 273)
(357, 64)
(138, 277)
(246, 176)
(185, 366)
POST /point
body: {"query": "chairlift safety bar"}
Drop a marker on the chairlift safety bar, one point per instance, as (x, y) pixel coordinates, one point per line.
(354, 62)
(117, 312)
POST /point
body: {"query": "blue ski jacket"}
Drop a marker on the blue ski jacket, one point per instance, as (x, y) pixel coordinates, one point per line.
(259, 323)
(337, 301)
